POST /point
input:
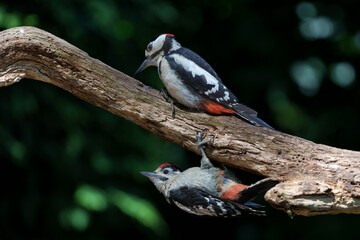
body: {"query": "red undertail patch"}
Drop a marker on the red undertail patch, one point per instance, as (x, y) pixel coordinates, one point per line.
(233, 192)
(215, 108)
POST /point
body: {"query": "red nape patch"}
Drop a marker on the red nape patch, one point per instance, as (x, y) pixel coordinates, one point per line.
(214, 108)
(234, 192)
(169, 34)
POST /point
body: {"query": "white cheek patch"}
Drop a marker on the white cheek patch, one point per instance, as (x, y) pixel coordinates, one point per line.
(158, 43)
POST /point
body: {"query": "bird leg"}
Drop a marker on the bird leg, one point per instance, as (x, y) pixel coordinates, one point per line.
(169, 99)
(205, 162)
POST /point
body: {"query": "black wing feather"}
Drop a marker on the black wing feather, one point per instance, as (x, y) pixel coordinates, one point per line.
(200, 202)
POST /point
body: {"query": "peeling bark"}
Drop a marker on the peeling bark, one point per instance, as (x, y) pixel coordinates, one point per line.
(316, 179)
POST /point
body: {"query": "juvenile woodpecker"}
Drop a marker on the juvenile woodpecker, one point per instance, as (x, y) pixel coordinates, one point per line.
(192, 82)
(207, 190)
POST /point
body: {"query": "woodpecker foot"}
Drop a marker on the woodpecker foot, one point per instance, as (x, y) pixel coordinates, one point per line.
(169, 99)
(205, 162)
(200, 137)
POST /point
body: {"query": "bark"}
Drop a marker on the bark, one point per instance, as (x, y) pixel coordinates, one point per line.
(315, 179)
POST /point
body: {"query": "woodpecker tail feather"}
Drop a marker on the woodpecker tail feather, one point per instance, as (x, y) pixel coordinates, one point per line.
(253, 119)
(253, 205)
(254, 189)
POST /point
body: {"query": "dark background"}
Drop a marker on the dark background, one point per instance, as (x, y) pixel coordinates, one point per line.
(70, 170)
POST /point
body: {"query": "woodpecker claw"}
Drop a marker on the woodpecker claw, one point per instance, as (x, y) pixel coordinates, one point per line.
(200, 136)
(168, 98)
(172, 110)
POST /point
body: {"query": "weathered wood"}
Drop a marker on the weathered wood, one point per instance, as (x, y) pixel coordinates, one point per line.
(316, 179)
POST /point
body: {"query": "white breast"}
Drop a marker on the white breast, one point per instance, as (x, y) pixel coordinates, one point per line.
(175, 87)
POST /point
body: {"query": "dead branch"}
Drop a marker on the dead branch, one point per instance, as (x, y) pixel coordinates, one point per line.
(316, 179)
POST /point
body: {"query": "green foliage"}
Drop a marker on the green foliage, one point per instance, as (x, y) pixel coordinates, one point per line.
(71, 170)
(140, 209)
(75, 218)
(91, 198)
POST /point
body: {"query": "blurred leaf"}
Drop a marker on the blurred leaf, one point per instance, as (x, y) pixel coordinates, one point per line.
(17, 151)
(349, 45)
(287, 114)
(76, 218)
(101, 163)
(343, 74)
(74, 144)
(103, 13)
(91, 198)
(140, 209)
(308, 75)
(164, 11)
(123, 29)
(31, 20)
(10, 20)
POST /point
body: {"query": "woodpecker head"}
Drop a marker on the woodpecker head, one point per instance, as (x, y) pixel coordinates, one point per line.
(162, 175)
(155, 49)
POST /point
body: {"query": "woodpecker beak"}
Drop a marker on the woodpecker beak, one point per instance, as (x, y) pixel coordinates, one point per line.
(146, 63)
(149, 174)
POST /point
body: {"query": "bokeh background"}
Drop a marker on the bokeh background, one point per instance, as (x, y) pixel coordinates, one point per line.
(70, 170)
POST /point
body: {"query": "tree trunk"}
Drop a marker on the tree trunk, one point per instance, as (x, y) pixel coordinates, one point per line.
(315, 179)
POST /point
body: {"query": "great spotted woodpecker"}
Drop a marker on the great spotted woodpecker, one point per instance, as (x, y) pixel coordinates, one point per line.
(192, 82)
(207, 190)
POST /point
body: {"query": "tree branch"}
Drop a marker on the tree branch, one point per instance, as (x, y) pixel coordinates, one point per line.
(316, 179)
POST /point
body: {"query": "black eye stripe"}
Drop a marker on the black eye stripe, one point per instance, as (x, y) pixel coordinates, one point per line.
(163, 178)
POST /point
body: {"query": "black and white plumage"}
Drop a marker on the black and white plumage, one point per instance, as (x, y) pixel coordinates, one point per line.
(192, 82)
(197, 201)
(207, 190)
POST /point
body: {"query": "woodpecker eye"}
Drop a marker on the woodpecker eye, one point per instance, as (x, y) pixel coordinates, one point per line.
(149, 47)
(166, 171)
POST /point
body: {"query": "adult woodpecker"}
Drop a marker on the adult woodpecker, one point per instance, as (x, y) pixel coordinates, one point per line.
(207, 190)
(192, 82)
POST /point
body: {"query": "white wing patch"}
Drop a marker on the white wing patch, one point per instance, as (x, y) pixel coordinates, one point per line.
(197, 71)
(226, 97)
(213, 89)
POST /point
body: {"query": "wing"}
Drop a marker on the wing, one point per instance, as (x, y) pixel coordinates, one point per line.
(198, 75)
(254, 189)
(194, 57)
(196, 201)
